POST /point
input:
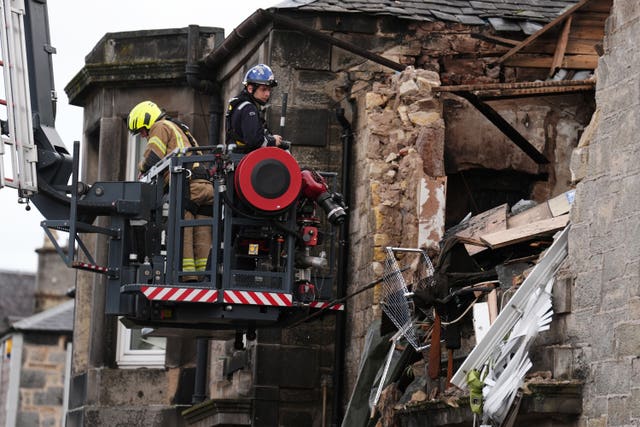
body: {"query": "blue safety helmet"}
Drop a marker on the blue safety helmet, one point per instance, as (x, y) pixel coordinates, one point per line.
(260, 74)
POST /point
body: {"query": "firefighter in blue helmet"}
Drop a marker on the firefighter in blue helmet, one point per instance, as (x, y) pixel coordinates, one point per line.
(245, 123)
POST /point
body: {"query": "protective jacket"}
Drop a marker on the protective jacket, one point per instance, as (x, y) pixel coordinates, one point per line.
(165, 135)
(245, 124)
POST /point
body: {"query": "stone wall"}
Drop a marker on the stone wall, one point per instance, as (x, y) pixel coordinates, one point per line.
(399, 187)
(404, 135)
(42, 380)
(604, 250)
(54, 278)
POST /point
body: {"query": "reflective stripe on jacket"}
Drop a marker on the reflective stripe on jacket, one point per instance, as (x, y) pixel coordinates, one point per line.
(164, 137)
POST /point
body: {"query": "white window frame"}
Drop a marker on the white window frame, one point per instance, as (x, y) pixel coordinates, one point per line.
(125, 356)
(128, 358)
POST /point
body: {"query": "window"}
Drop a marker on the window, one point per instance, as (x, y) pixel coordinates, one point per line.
(135, 150)
(134, 348)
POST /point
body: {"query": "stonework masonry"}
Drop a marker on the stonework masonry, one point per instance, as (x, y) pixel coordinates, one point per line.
(42, 380)
(394, 204)
(604, 250)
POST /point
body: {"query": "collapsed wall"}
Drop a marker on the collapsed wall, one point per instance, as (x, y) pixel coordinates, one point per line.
(399, 195)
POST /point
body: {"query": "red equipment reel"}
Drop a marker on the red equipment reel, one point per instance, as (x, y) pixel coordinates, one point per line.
(268, 179)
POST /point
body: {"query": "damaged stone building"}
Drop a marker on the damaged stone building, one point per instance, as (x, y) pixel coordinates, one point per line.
(429, 114)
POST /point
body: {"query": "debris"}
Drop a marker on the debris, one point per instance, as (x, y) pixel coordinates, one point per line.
(492, 265)
(521, 206)
(525, 232)
(487, 222)
(554, 207)
(388, 398)
(506, 361)
(419, 396)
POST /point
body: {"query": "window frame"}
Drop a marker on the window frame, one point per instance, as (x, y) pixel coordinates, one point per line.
(128, 358)
(125, 356)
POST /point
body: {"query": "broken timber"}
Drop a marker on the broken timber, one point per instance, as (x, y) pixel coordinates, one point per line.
(520, 89)
(484, 223)
(524, 232)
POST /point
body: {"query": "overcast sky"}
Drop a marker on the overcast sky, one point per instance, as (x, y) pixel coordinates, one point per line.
(76, 26)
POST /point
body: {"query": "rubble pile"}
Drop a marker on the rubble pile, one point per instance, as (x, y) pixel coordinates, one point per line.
(481, 263)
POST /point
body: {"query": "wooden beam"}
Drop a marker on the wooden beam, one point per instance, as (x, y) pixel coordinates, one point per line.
(575, 46)
(495, 39)
(589, 84)
(525, 232)
(484, 223)
(505, 127)
(561, 47)
(545, 91)
(534, 36)
(599, 6)
(576, 62)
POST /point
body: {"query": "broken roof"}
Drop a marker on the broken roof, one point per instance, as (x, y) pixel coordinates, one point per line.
(503, 15)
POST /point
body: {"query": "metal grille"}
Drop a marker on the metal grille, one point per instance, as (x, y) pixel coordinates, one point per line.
(396, 296)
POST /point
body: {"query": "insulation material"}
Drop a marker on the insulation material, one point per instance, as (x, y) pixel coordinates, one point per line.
(510, 362)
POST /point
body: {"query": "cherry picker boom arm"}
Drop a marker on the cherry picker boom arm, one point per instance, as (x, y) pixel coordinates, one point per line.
(34, 143)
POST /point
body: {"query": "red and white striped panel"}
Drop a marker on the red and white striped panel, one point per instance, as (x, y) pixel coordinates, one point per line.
(318, 304)
(170, 293)
(258, 298)
(90, 267)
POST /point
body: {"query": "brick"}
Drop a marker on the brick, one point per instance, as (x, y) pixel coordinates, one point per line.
(373, 100)
(617, 410)
(579, 165)
(600, 421)
(562, 291)
(300, 51)
(30, 378)
(627, 339)
(610, 377)
(28, 419)
(52, 396)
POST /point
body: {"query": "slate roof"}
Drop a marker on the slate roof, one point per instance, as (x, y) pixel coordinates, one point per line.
(499, 13)
(17, 298)
(58, 318)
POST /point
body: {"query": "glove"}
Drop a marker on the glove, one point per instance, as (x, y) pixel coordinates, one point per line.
(285, 145)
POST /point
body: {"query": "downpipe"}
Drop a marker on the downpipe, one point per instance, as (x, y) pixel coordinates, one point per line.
(343, 256)
(192, 74)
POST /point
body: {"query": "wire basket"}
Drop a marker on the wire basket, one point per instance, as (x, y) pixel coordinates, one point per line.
(397, 298)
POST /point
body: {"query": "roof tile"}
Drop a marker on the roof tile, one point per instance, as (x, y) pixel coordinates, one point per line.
(470, 12)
